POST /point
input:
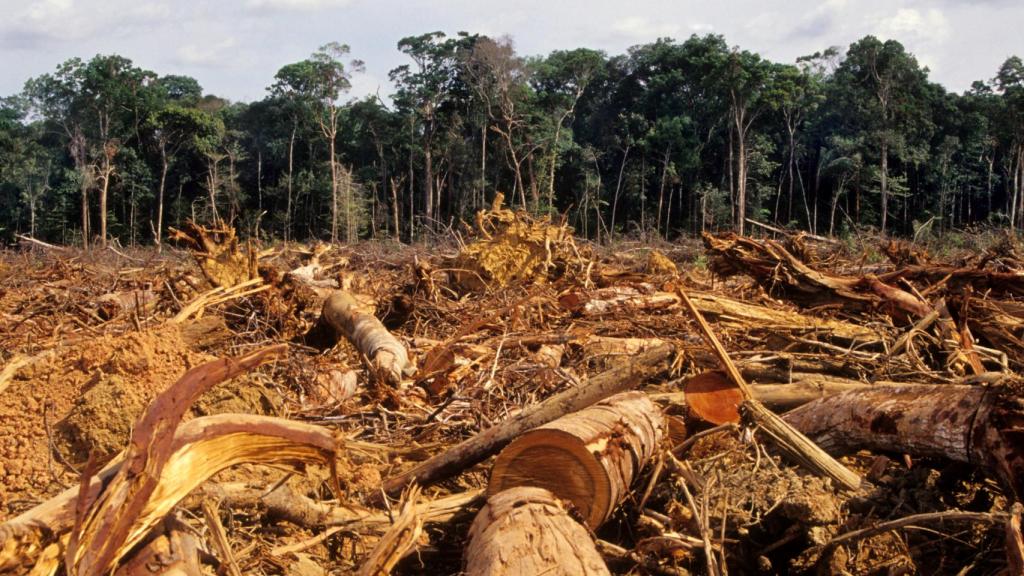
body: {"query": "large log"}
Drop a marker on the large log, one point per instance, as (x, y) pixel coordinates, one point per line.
(624, 376)
(588, 458)
(389, 360)
(526, 530)
(975, 424)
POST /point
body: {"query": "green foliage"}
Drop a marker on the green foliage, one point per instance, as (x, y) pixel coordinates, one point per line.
(664, 138)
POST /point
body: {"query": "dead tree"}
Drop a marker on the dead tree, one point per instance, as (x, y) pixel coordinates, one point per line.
(526, 530)
(589, 458)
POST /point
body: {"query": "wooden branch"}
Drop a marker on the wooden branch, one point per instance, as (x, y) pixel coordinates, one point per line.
(944, 516)
(589, 458)
(780, 397)
(474, 450)
(389, 360)
(785, 437)
(526, 530)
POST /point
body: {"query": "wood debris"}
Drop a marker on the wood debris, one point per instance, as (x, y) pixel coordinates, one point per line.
(548, 407)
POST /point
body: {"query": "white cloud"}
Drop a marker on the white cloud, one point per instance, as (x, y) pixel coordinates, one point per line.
(639, 28)
(216, 54)
(298, 4)
(908, 23)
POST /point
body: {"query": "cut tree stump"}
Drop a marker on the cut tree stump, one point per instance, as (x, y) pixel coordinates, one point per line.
(975, 424)
(526, 530)
(389, 360)
(588, 458)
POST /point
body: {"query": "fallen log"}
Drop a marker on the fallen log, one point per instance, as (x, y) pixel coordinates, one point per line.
(623, 377)
(974, 424)
(723, 310)
(526, 530)
(389, 360)
(980, 280)
(589, 458)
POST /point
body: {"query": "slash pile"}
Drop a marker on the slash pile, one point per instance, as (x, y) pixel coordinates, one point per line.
(521, 403)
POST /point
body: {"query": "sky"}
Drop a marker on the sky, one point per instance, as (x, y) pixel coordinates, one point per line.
(234, 47)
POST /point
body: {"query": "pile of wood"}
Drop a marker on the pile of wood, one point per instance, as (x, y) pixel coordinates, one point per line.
(790, 410)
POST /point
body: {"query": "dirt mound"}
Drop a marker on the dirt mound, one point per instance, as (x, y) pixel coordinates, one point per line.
(61, 405)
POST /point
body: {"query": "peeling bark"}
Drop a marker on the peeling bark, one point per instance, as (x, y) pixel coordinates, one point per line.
(527, 531)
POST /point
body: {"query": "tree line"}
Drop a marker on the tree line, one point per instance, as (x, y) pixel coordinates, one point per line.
(670, 138)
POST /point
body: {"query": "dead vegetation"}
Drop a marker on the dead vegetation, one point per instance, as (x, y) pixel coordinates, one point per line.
(522, 403)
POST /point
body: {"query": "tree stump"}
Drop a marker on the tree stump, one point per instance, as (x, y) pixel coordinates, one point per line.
(526, 530)
(588, 458)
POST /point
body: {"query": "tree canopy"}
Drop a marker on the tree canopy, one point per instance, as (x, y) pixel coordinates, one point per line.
(670, 138)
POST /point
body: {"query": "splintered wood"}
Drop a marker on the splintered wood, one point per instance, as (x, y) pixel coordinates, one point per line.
(522, 402)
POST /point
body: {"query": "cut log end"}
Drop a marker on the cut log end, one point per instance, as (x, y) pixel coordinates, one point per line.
(557, 461)
(526, 530)
(588, 458)
(712, 397)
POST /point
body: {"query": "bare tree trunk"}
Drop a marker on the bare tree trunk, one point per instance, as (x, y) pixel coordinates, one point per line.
(554, 160)
(661, 192)
(741, 175)
(334, 189)
(84, 189)
(428, 184)
(483, 168)
(107, 171)
(618, 188)
(159, 232)
(395, 232)
(288, 204)
(885, 183)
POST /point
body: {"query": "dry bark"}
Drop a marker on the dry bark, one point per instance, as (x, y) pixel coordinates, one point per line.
(389, 360)
(975, 424)
(588, 458)
(474, 450)
(526, 530)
